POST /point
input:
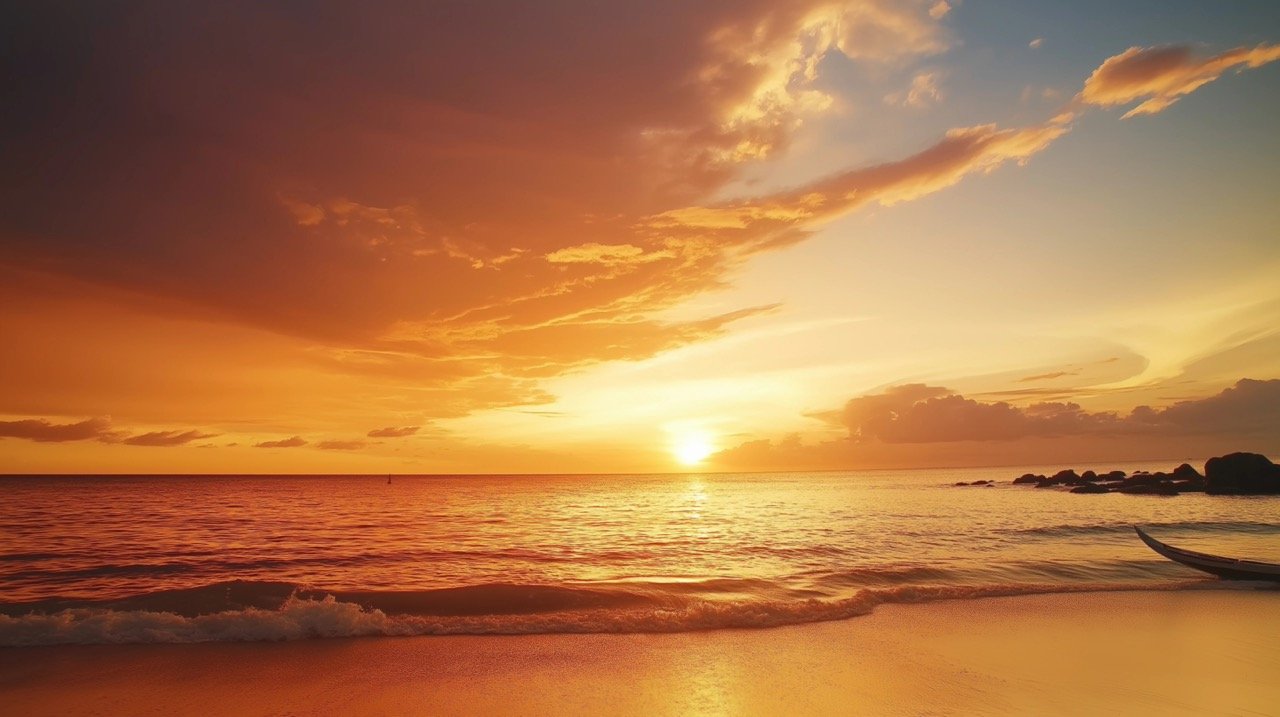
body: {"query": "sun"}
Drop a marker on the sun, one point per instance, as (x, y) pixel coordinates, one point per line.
(692, 448)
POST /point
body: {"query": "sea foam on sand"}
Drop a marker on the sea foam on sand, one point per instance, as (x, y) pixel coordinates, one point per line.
(1157, 653)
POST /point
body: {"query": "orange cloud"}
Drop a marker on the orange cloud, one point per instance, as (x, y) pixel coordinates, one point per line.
(1161, 75)
(393, 432)
(594, 253)
(915, 414)
(43, 431)
(166, 438)
(1047, 376)
(923, 92)
(334, 445)
(293, 442)
(96, 429)
(437, 245)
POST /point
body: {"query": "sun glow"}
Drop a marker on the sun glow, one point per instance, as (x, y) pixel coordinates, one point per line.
(692, 448)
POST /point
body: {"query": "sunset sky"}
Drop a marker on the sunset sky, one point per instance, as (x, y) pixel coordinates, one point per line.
(583, 236)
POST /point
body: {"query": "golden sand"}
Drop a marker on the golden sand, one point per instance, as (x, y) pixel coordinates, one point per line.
(1153, 653)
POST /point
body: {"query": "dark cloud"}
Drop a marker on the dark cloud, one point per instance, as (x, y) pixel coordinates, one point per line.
(166, 438)
(292, 442)
(43, 431)
(98, 429)
(1251, 406)
(918, 415)
(393, 432)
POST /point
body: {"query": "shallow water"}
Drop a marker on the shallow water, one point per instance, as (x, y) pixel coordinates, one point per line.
(190, 558)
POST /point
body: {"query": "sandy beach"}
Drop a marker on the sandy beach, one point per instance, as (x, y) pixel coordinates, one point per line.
(1158, 653)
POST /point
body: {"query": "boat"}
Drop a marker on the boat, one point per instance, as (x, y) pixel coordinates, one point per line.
(1230, 568)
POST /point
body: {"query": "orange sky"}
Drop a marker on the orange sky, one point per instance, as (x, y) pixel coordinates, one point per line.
(615, 237)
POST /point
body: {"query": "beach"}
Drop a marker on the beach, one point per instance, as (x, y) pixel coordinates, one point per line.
(1124, 653)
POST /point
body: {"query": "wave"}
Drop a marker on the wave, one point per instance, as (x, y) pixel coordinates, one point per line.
(241, 611)
(1126, 528)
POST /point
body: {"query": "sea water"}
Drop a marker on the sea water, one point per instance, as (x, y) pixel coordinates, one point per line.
(107, 559)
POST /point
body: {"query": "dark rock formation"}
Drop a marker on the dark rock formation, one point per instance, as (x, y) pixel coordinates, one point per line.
(1241, 474)
(1232, 474)
(1186, 472)
(1065, 475)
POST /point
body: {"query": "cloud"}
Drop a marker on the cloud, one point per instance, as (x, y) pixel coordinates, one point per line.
(340, 445)
(166, 438)
(922, 92)
(1047, 376)
(1159, 76)
(605, 254)
(436, 242)
(43, 431)
(293, 442)
(96, 429)
(1250, 406)
(393, 432)
(930, 420)
(924, 414)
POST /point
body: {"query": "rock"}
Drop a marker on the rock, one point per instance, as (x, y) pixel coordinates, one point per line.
(1186, 472)
(961, 483)
(1065, 475)
(1114, 476)
(1028, 478)
(1141, 478)
(1241, 474)
(1089, 476)
(1189, 486)
(1090, 488)
(981, 482)
(1046, 483)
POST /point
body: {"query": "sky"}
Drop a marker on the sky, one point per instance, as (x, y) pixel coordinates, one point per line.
(573, 236)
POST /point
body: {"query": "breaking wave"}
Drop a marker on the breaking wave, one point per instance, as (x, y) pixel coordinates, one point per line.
(244, 611)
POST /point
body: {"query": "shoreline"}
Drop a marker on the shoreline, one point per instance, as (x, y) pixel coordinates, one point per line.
(1147, 652)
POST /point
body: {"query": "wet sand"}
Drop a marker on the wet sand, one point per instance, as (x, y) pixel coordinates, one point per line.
(1152, 653)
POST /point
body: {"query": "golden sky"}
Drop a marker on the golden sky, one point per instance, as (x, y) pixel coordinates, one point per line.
(615, 237)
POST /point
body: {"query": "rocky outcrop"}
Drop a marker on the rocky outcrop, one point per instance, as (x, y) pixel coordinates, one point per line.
(1241, 474)
(1232, 474)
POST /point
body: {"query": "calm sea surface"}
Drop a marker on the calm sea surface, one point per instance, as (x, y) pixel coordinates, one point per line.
(190, 558)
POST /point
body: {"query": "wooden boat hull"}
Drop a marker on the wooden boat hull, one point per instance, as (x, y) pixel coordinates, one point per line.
(1229, 568)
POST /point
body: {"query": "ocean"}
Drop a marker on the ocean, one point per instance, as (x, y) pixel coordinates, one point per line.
(136, 559)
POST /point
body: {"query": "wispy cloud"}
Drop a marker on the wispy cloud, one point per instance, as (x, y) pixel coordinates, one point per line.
(42, 431)
(166, 438)
(292, 442)
(1160, 76)
(393, 432)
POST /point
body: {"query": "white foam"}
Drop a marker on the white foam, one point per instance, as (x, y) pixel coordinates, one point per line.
(301, 618)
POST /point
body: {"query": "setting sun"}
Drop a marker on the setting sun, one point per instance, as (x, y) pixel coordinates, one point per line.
(692, 448)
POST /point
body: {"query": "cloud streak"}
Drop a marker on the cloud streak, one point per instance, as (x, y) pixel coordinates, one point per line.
(292, 442)
(166, 438)
(1160, 76)
(393, 432)
(43, 431)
